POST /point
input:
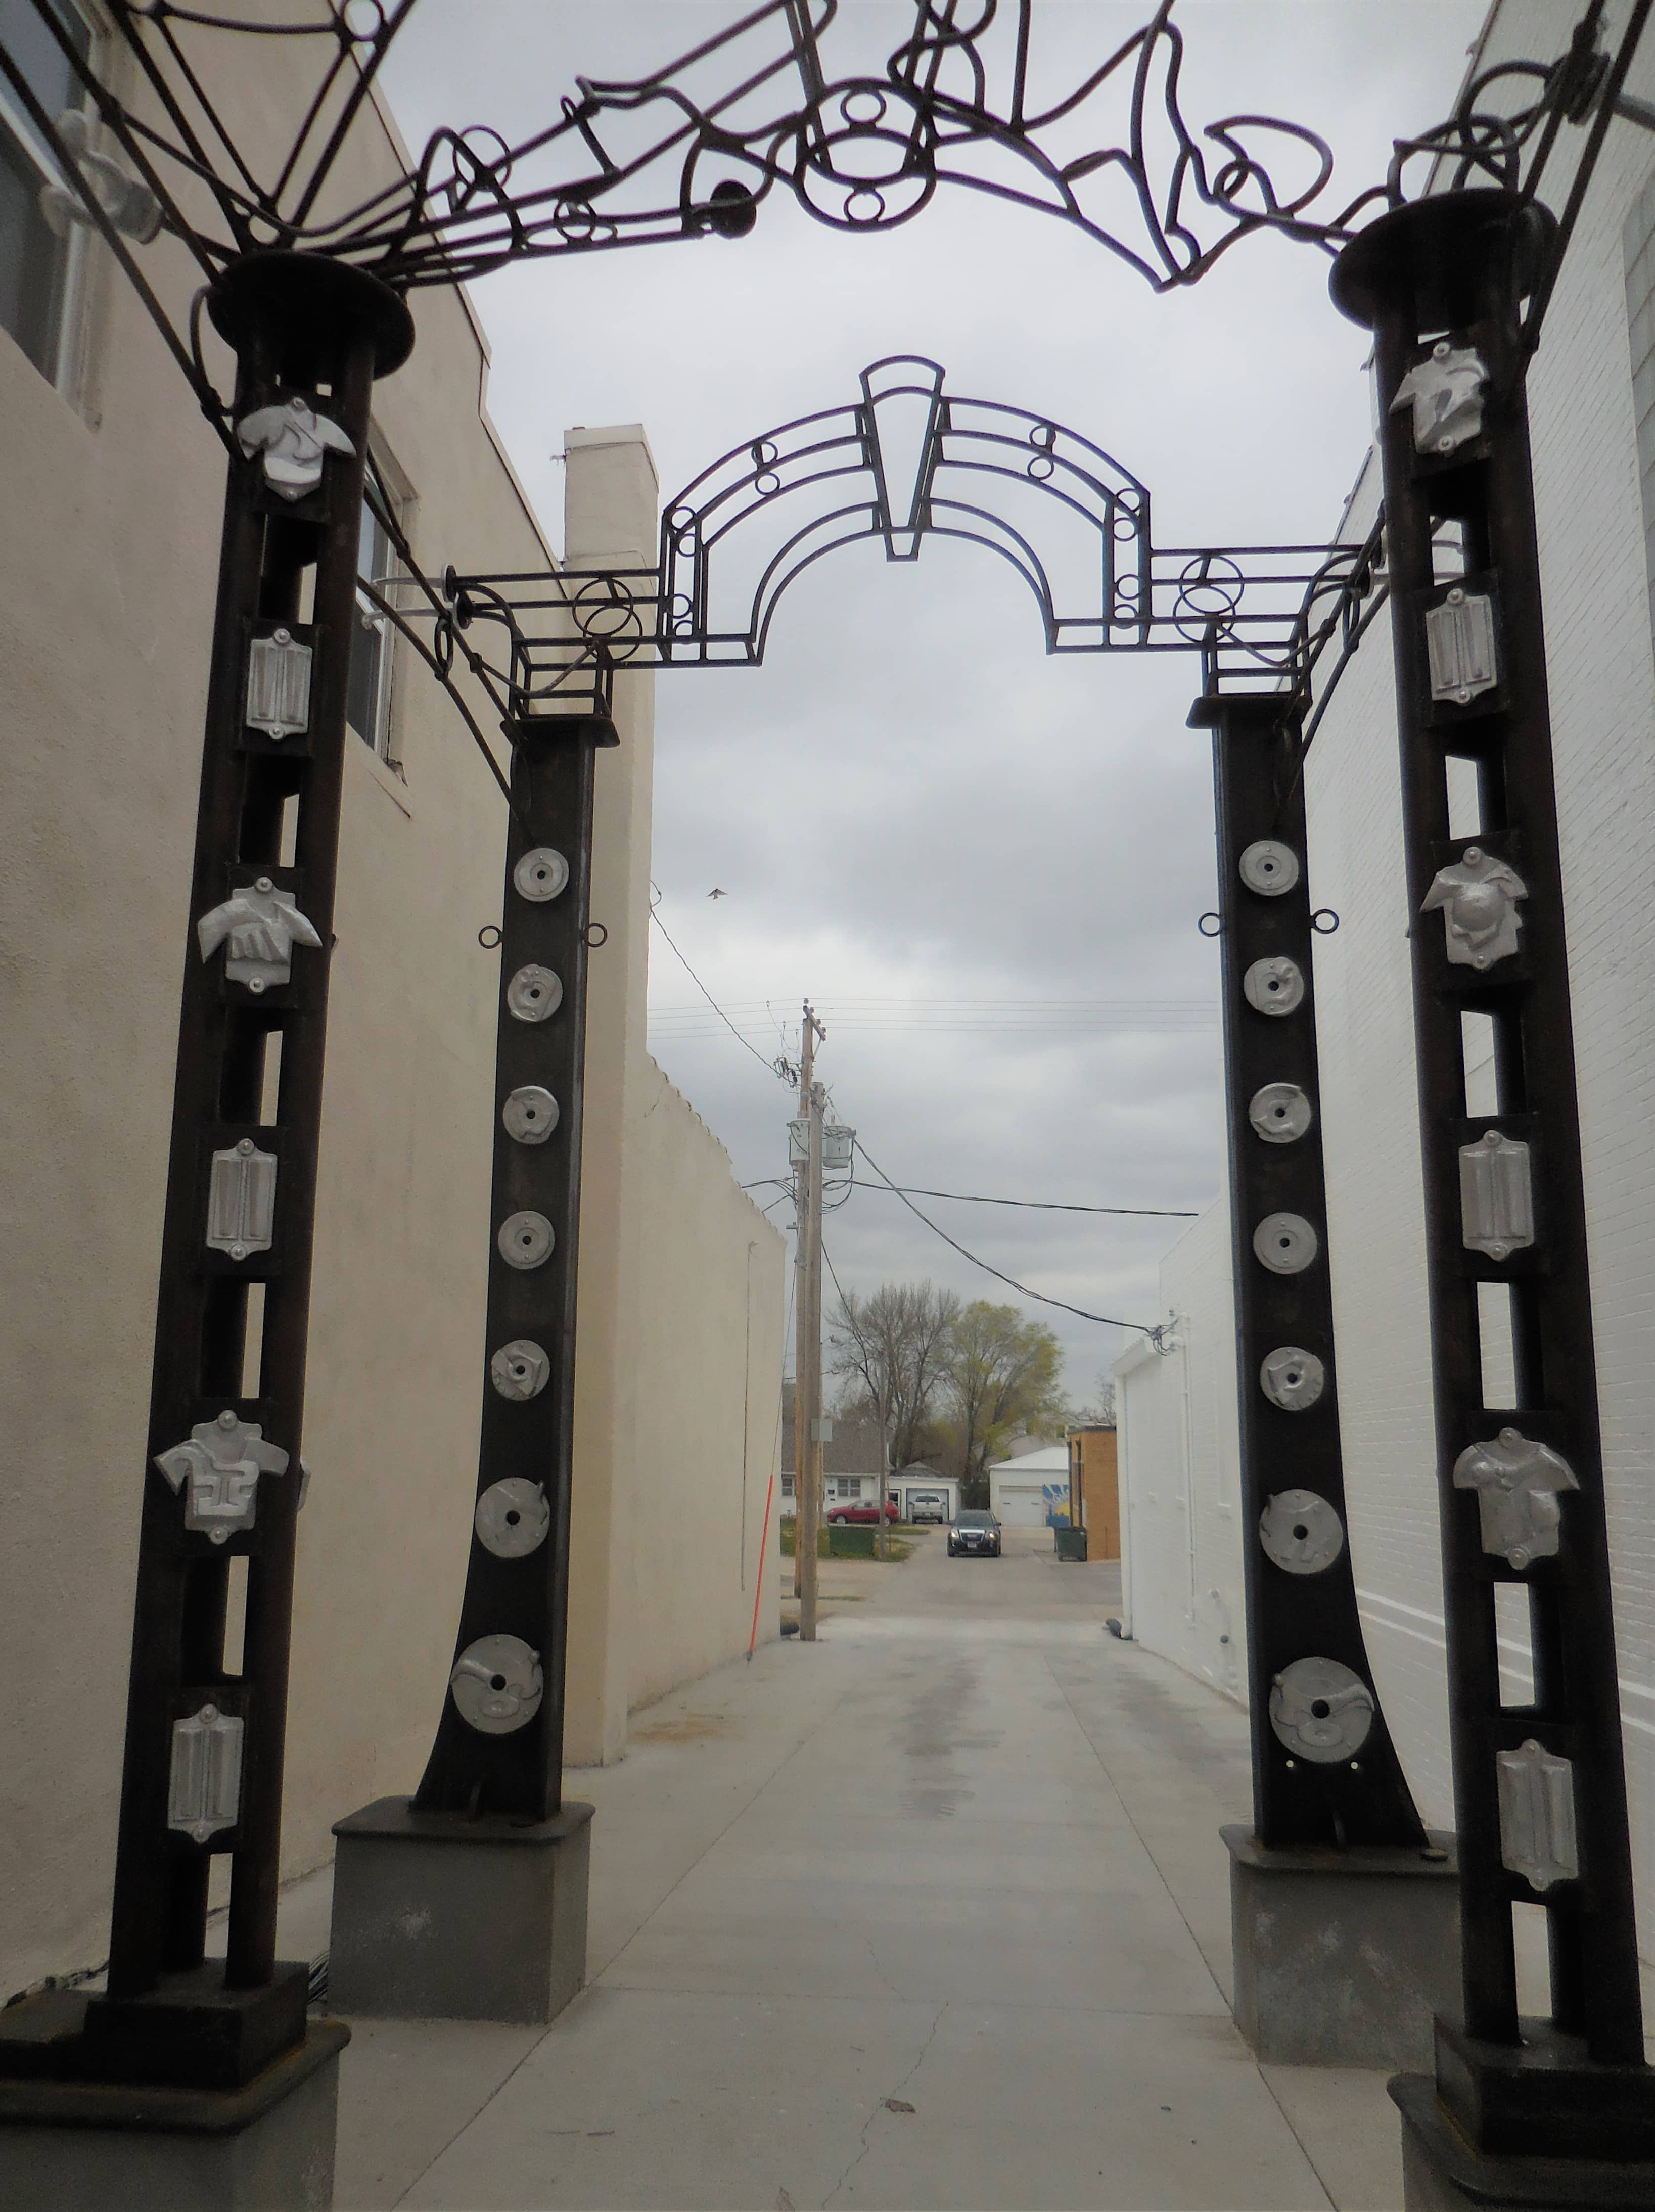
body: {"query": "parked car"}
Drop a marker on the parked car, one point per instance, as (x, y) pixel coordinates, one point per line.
(870, 1512)
(974, 1532)
(927, 1505)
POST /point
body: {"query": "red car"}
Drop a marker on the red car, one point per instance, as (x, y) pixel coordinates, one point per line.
(869, 1512)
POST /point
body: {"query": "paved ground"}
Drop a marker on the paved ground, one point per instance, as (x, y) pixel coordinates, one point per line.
(932, 1912)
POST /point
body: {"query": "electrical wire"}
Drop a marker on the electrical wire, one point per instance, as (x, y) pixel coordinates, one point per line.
(1108, 1321)
(745, 1043)
(1032, 1205)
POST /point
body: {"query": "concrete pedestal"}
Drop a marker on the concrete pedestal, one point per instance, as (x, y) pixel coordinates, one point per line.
(1442, 2173)
(438, 1917)
(1342, 1958)
(69, 2146)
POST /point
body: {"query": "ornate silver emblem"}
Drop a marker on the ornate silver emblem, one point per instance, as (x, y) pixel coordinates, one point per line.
(1270, 868)
(1280, 1112)
(1321, 1711)
(241, 1201)
(519, 1369)
(279, 685)
(512, 1518)
(295, 442)
(263, 925)
(534, 993)
(1518, 1482)
(1285, 1243)
(126, 200)
(1459, 647)
(526, 1240)
(1496, 1195)
(1301, 1531)
(221, 1463)
(1446, 393)
(1536, 1815)
(203, 1787)
(1292, 1378)
(540, 874)
(498, 1684)
(1275, 986)
(530, 1114)
(1478, 896)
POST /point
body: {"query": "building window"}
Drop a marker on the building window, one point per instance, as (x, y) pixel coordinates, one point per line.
(368, 708)
(40, 272)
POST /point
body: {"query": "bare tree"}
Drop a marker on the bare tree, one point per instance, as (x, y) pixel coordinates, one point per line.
(1098, 1413)
(891, 1347)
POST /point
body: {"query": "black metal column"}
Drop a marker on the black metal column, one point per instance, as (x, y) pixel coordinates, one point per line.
(1539, 1786)
(311, 337)
(499, 1741)
(1324, 1769)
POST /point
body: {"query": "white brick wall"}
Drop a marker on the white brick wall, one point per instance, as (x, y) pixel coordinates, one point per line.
(1592, 526)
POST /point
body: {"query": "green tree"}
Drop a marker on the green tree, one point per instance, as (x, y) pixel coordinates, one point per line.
(1002, 1382)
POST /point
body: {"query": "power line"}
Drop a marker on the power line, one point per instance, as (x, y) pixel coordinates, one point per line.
(785, 1076)
(1109, 1321)
(1033, 1205)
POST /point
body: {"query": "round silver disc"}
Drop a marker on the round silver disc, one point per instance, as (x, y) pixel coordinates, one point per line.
(530, 1114)
(498, 1684)
(1292, 1378)
(1300, 1532)
(512, 1518)
(534, 993)
(1275, 986)
(540, 875)
(519, 1369)
(1284, 1244)
(1280, 1112)
(1321, 1711)
(1270, 868)
(526, 1240)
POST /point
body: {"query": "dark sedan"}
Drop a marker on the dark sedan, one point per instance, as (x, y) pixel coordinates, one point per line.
(974, 1532)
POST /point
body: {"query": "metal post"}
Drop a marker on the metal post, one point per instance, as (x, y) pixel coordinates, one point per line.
(1540, 1787)
(1324, 1768)
(499, 1748)
(221, 1477)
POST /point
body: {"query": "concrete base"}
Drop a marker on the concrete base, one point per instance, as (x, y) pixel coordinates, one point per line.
(93, 2146)
(1442, 2173)
(1342, 1958)
(438, 1917)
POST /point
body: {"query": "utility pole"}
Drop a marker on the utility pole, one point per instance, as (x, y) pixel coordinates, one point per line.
(807, 1357)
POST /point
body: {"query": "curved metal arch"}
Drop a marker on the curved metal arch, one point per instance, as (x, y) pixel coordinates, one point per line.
(907, 460)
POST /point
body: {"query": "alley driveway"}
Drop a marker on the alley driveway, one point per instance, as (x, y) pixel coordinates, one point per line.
(932, 1912)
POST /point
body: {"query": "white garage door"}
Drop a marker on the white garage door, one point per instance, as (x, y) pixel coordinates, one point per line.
(1022, 1505)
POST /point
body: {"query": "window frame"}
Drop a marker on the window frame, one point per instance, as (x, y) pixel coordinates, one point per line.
(71, 288)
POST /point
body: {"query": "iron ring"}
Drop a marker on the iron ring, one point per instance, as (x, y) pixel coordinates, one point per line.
(1217, 921)
(1324, 928)
(488, 936)
(602, 937)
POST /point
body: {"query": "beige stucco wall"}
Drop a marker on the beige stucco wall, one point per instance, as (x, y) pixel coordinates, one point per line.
(106, 578)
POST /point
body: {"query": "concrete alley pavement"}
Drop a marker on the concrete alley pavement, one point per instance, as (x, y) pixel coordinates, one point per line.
(931, 1913)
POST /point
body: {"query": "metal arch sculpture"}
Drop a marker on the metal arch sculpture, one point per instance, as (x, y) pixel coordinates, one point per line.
(1259, 616)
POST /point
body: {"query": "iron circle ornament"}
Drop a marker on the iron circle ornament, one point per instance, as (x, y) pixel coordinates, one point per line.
(525, 1241)
(1285, 1243)
(865, 156)
(513, 1518)
(1321, 1710)
(1270, 868)
(1210, 592)
(1217, 921)
(1300, 1532)
(541, 874)
(490, 937)
(530, 1114)
(1324, 921)
(1274, 986)
(600, 939)
(1280, 1113)
(534, 993)
(498, 1684)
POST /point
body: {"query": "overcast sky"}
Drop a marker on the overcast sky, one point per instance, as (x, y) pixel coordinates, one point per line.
(983, 866)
